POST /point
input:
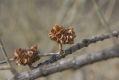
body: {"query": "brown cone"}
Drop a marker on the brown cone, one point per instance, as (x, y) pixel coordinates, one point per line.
(26, 56)
(62, 35)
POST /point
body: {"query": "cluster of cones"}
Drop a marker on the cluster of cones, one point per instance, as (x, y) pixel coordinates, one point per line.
(58, 33)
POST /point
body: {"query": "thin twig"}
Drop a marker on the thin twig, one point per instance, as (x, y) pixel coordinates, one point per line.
(60, 47)
(70, 63)
(109, 10)
(102, 18)
(41, 55)
(5, 61)
(6, 57)
(4, 67)
(60, 18)
(48, 54)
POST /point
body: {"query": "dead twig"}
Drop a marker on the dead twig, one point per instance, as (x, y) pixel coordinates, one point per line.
(5, 67)
(5, 61)
(6, 57)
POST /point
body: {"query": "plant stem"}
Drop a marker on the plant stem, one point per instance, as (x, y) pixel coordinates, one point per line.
(60, 48)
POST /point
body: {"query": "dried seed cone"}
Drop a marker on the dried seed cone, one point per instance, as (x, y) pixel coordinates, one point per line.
(26, 56)
(62, 35)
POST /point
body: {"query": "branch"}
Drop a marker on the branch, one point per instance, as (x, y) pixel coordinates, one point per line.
(70, 63)
(78, 46)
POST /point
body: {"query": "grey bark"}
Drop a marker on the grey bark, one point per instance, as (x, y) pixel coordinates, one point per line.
(70, 63)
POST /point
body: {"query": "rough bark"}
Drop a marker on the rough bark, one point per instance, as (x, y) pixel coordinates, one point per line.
(70, 63)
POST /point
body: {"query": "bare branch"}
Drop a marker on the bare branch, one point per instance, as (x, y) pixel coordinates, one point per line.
(78, 46)
(70, 63)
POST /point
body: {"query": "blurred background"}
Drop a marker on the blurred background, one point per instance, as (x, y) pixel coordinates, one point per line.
(24, 23)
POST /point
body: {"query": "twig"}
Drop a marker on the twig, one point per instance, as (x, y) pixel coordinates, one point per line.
(5, 61)
(48, 54)
(63, 10)
(109, 10)
(6, 57)
(4, 68)
(78, 46)
(70, 63)
(41, 55)
(102, 18)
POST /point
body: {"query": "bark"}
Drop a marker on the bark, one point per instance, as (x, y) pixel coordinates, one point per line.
(70, 63)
